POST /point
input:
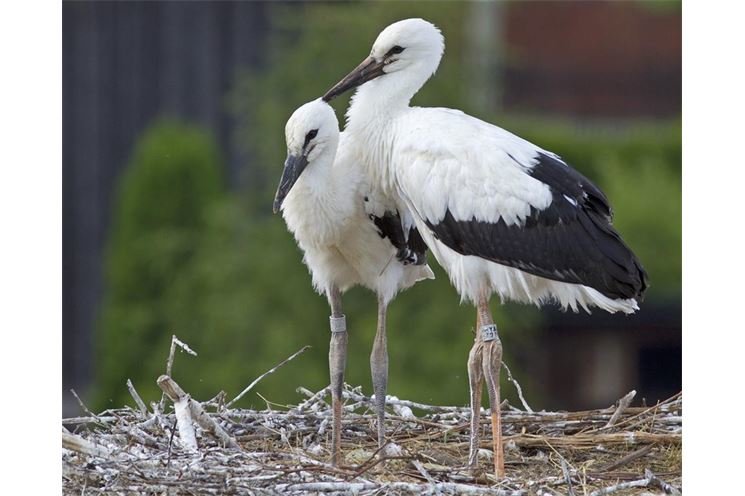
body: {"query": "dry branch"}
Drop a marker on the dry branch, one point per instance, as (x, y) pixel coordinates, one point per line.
(634, 455)
(183, 413)
(519, 389)
(136, 397)
(623, 404)
(270, 371)
(192, 410)
(77, 443)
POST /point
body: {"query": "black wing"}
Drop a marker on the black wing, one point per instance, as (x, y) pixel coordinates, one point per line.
(572, 240)
(410, 247)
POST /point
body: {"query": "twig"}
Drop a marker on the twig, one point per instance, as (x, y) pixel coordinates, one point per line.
(209, 424)
(420, 468)
(653, 479)
(623, 404)
(169, 363)
(195, 411)
(567, 476)
(628, 458)
(176, 342)
(312, 397)
(649, 480)
(137, 398)
(270, 371)
(519, 389)
(621, 486)
(77, 443)
(82, 405)
(88, 420)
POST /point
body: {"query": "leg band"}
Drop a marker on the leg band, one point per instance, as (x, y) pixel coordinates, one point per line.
(489, 332)
(338, 324)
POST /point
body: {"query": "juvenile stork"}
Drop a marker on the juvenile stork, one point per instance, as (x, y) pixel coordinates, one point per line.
(350, 234)
(500, 214)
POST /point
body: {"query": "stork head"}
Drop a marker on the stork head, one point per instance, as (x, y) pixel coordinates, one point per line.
(312, 135)
(407, 52)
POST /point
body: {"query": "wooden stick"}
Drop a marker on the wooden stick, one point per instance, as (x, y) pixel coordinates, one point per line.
(628, 458)
(176, 342)
(196, 412)
(519, 389)
(649, 480)
(621, 486)
(209, 424)
(567, 476)
(654, 480)
(623, 404)
(183, 414)
(270, 371)
(169, 363)
(88, 420)
(82, 405)
(76, 443)
(136, 397)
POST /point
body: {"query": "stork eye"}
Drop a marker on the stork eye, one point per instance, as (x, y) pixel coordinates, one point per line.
(394, 51)
(311, 134)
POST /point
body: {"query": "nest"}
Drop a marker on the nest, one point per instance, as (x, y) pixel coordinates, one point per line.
(211, 448)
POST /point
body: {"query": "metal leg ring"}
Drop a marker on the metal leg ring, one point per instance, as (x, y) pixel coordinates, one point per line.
(338, 324)
(489, 332)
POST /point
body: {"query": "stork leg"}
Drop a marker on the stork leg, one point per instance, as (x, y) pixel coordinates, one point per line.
(337, 363)
(379, 369)
(475, 382)
(492, 364)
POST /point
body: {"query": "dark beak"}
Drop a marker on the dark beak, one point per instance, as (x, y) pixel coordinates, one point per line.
(367, 70)
(294, 166)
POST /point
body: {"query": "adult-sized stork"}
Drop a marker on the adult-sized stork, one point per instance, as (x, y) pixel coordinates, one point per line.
(350, 234)
(500, 214)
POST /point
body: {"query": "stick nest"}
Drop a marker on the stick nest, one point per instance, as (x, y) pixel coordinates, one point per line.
(284, 449)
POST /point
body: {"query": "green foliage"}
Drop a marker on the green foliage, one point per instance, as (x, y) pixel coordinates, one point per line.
(172, 178)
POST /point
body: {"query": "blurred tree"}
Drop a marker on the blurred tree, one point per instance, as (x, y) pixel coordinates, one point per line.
(173, 177)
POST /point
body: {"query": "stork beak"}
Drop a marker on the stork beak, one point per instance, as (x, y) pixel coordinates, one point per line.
(294, 166)
(367, 70)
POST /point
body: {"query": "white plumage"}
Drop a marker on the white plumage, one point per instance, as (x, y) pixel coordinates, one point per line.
(350, 234)
(500, 214)
(438, 160)
(328, 208)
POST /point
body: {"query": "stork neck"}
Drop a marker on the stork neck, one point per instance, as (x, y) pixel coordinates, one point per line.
(386, 96)
(318, 177)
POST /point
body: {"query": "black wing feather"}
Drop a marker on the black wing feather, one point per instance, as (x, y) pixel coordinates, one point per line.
(410, 249)
(572, 240)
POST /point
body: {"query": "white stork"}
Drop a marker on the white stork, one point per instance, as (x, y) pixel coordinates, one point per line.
(350, 235)
(500, 214)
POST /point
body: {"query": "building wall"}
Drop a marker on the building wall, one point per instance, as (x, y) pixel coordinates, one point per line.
(564, 58)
